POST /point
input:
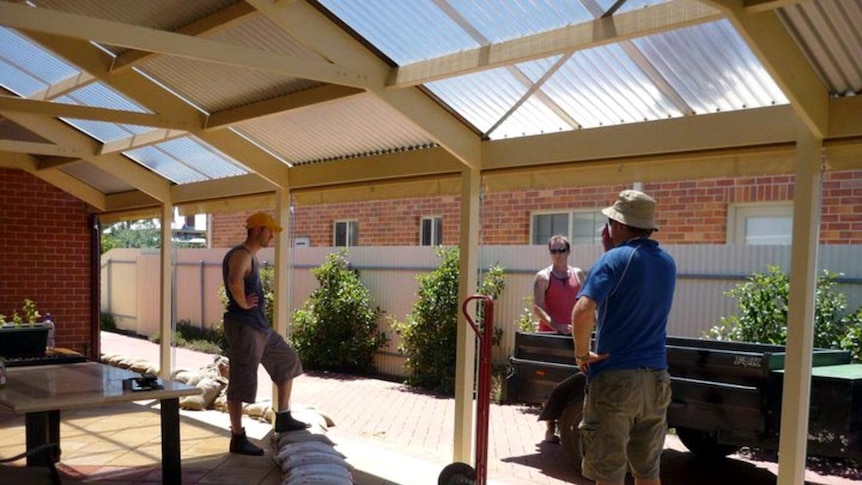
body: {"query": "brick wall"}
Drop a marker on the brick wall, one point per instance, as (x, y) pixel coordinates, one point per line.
(45, 255)
(689, 212)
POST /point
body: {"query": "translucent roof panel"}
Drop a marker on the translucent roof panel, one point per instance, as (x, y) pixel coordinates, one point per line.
(26, 68)
(533, 117)
(106, 132)
(711, 68)
(499, 21)
(401, 29)
(628, 5)
(99, 95)
(482, 98)
(186, 160)
(603, 86)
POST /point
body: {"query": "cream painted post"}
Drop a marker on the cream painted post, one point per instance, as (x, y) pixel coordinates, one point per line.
(166, 327)
(281, 288)
(800, 317)
(465, 357)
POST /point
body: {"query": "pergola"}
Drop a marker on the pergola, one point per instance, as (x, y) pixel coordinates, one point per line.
(140, 107)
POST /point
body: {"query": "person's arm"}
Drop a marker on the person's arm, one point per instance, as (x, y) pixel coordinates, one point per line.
(239, 266)
(580, 275)
(583, 322)
(540, 285)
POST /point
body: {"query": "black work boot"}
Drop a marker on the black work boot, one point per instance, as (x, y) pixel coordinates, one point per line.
(284, 422)
(239, 443)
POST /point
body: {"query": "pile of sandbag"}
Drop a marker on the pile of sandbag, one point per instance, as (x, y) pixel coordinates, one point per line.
(211, 380)
(308, 456)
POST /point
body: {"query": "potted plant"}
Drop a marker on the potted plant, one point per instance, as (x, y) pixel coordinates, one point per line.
(24, 335)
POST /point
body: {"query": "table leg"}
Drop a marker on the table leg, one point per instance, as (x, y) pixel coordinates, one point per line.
(41, 428)
(171, 462)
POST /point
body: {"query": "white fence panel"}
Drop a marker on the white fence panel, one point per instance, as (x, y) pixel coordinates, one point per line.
(130, 282)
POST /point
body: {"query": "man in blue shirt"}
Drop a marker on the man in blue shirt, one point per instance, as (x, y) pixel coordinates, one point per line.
(627, 298)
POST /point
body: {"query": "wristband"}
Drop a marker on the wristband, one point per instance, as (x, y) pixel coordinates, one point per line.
(583, 357)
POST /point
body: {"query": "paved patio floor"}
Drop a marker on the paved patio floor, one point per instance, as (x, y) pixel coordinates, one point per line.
(390, 433)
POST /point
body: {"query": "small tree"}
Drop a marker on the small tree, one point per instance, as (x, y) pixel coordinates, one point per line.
(763, 303)
(336, 329)
(429, 335)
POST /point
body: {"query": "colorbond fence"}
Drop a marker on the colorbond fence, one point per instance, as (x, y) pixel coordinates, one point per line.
(130, 283)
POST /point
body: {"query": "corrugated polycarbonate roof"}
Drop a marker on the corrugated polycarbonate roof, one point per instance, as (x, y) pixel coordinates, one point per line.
(716, 71)
(100, 96)
(704, 68)
(26, 68)
(186, 160)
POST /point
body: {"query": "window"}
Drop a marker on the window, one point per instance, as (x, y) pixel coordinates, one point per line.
(346, 233)
(581, 227)
(431, 231)
(760, 224)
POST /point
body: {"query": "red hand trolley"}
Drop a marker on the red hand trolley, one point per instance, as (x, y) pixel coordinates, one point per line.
(460, 473)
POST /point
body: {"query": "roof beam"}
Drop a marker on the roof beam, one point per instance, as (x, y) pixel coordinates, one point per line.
(135, 86)
(310, 26)
(293, 101)
(221, 20)
(430, 161)
(140, 140)
(100, 31)
(703, 132)
(120, 167)
(601, 31)
(34, 148)
(782, 59)
(74, 111)
(241, 186)
(65, 86)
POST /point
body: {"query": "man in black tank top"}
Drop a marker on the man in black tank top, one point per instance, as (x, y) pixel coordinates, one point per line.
(251, 338)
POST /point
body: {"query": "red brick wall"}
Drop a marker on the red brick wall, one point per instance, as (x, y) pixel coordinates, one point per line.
(689, 212)
(45, 255)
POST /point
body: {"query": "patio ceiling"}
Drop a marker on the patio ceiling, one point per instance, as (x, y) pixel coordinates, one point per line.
(128, 105)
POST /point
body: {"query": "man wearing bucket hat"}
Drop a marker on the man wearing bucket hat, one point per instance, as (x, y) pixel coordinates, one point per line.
(627, 299)
(252, 339)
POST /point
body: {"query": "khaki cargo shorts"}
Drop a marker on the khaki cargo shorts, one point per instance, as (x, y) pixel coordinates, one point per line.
(249, 348)
(624, 425)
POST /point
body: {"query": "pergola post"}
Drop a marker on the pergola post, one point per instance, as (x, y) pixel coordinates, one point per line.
(166, 324)
(800, 317)
(465, 365)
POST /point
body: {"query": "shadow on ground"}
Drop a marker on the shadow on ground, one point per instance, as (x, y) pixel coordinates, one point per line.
(676, 467)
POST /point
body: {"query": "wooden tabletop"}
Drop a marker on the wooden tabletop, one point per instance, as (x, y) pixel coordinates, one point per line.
(68, 386)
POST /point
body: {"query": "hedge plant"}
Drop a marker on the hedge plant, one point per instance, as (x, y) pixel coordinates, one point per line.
(336, 329)
(763, 303)
(429, 334)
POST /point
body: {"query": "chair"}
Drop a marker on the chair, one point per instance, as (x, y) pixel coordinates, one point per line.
(52, 449)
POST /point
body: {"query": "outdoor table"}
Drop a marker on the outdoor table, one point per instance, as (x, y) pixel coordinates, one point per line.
(41, 392)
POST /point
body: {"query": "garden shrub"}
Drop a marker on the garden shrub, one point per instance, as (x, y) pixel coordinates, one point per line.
(763, 303)
(430, 331)
(336, 329)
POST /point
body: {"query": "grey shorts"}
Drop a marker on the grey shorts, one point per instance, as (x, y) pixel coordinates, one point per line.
(251, 347)
(624, 424)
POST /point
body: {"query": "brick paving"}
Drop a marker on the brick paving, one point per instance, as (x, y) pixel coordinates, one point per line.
(396, 435)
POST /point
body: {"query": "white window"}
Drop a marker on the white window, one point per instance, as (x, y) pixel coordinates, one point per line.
(431, 231)
(581, 227)
(752, 224)
(345, 233)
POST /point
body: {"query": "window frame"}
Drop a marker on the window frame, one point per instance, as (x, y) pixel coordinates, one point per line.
(436, 236)
(351, 233)
(738, 215)
(570, 223)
